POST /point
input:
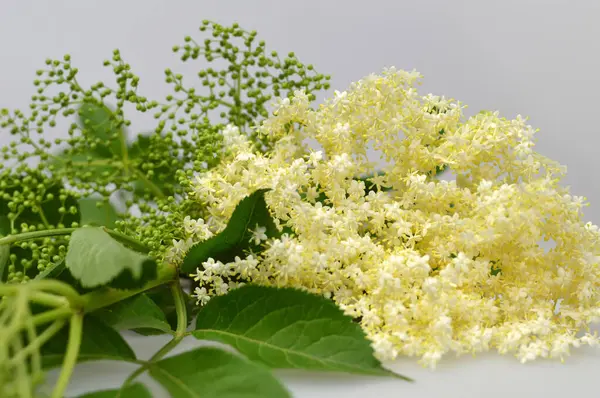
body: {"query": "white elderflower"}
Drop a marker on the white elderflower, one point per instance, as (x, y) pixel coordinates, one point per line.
(202, 296)
(429, 267)
(259, 234)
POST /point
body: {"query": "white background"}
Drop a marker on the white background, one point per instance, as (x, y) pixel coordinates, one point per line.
(532, 57)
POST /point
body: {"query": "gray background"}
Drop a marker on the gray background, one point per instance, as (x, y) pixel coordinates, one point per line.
(531, 57)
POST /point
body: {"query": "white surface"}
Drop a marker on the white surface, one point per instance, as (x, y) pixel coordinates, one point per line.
(537, 58)
(489, 375)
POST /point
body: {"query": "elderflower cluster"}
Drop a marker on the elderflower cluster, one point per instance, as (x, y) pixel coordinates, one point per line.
(427, 266)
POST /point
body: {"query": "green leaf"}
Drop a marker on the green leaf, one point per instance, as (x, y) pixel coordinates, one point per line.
(234, 240)
(136, 390)
(96, 259)
(288, 328)
(210, 372)
(163, 298)
(99, 121)
(495, 268)
(140, 146)
(59, 272)
(95, 212)
(440, 169)
(99, 342)
(138, 312)
(4, 226)
(4, 249)
(52, 272)
(4, 257)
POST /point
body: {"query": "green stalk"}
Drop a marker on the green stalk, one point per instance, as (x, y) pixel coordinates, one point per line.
(65, 294)
(38, 342)
(180, 333)
(43, 216)
(16, 343)
(35, 359)
(124, 151)
(61, 289)
(52, 315)
(48, 299)
(70, 360)
(88, 302)
(180, 309)
(24, 387)
(10, 239)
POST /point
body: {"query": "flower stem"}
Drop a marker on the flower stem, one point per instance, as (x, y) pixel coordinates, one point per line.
(48, 299)
(61, 289)
(62, 294)
(24, 388)
(52, 315)
(39, 341)
(70, 360)
(43, 298)
(10, 239)
(124, 151)
(180, 309)
(180, 333)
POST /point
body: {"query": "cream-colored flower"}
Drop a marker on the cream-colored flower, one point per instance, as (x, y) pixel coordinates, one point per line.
(428, 266)
(259, 234)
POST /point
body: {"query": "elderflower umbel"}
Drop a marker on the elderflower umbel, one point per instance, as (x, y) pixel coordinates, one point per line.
(427, 266)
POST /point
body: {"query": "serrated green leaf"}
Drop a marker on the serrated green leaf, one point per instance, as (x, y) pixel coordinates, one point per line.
(96, 259)
(136, 390)
(98, 342)
(97, 213)
(99, 121)
(138, 312)
(235, 239)
(210, 372)
(288, 328)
